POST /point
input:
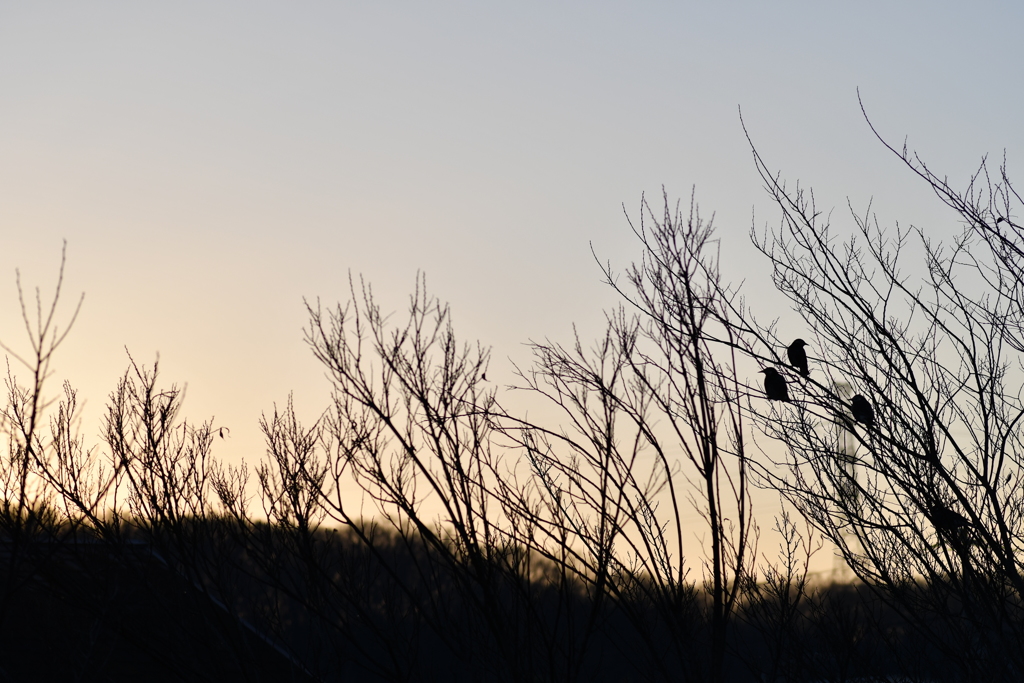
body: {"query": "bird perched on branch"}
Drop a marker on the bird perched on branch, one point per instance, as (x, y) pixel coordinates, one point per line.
(862, 410)
(775, 385)
(798, 357)
(945, 519)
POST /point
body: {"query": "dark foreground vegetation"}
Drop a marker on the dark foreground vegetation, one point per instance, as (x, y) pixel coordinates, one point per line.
(86, 609)
(418, 529)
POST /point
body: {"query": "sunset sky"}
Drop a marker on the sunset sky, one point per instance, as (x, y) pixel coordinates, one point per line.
(210, 164)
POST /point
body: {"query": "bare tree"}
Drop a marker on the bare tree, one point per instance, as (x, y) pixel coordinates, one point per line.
(28, 509)
(927, 510)
(403, 465)
(654, 429)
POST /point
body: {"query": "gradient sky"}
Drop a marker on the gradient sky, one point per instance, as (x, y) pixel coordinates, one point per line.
(212, 163)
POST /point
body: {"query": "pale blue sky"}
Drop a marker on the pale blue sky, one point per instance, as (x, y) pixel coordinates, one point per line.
(211, 163)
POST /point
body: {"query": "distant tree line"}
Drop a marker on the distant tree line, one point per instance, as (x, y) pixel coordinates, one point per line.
(419, 529)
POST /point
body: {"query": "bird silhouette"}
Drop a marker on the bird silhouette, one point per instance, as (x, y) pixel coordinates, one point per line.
(945, 519)
(775, 385)
(798, 357)
(862, 410)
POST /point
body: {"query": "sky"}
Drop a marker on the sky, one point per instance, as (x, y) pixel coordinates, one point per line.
(212, 165)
